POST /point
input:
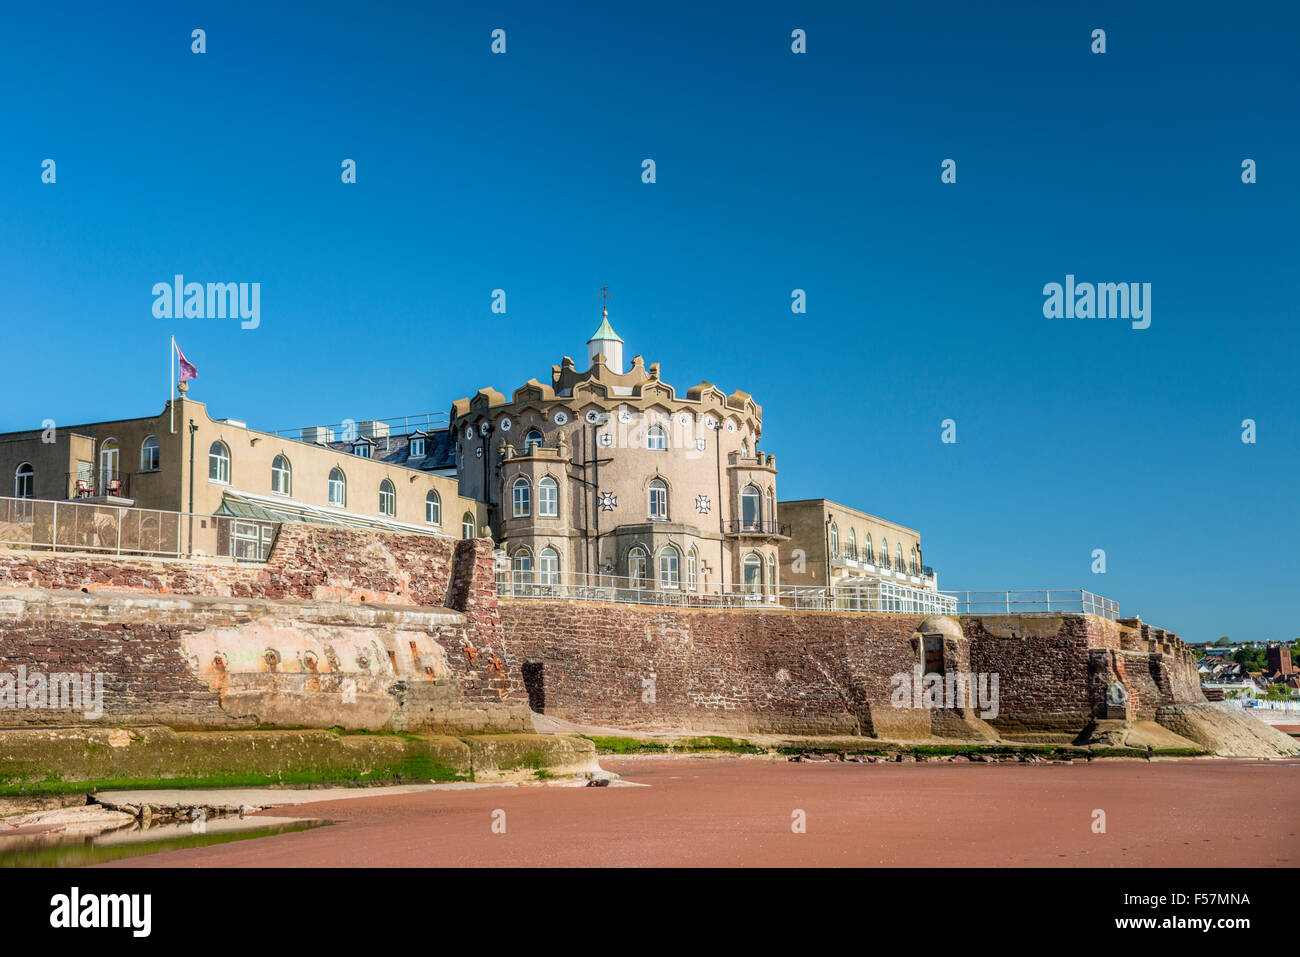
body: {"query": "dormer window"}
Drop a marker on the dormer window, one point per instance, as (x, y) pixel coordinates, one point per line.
(417, 448)
(362, 449)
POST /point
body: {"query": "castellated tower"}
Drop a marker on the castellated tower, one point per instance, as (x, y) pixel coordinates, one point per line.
(609, 476)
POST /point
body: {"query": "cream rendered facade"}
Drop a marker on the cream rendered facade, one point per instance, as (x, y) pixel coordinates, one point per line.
(210, 466)
(834, 544)
(604, 475)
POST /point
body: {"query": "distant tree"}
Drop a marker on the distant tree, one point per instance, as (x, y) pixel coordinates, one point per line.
(1225, 640)
(1251, 658)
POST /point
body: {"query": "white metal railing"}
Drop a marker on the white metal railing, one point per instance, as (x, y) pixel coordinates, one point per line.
(1024, 601)
(43, 525)
(876, 596)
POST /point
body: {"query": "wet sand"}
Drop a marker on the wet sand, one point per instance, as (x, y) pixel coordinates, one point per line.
(738, 812)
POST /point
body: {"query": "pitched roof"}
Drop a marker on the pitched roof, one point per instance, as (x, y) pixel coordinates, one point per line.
(605, 331)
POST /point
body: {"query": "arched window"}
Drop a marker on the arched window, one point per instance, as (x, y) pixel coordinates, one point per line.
(753, 568)
(433, 508)
(770, 501)
(108, 462)
(670, 568)
(218, 462)
(692, 570)
(533, 438)
(658, 505)
(915, 567)
(149, 454)
(884, 553)
(338, 489)
(898, 557)
(866, 550)
(636, 566)
(853, 544)
(771, 573)
(467, 525)
(548, 497)
(750, 497)
(24, 480)
(656, 438)
(548, 567)
(281, 476)
(523, 567)
(387, 498)
(835, 540)
(521, 494)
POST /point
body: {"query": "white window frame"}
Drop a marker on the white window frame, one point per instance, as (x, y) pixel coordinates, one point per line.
(468, 525)
(387, 499)
(521, 567)
(221, 461)
(281, 475)
(658, 489)
(25, 479)
(548, 566)
(548, 497)
(751, 492)
(416, 450)
(342, 484)
(149, 463)
(433, 508)
(656, 438)
(637, 561)
(521, 498)
(752, 589)
(670, 567)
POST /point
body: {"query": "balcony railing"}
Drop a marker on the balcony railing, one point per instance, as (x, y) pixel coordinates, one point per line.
(372, 428)
(42, 525)
(94, 483)
(739, 526)
(919, 571)
(1028, 601)
(871, 596)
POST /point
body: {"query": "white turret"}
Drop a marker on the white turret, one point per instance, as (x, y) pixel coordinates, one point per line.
(606, 342)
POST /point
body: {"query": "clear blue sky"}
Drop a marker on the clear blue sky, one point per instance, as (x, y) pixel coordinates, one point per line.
(775, 171)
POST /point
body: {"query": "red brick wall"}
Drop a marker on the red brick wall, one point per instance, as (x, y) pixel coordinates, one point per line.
(492, 671)
(145, 678)
(149, 677)
(813, 672)
(817, 672)
(307, 561)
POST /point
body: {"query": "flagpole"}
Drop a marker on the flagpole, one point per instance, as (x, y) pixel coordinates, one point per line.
(171, 401)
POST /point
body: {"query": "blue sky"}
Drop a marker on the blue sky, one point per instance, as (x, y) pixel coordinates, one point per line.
(775, 171)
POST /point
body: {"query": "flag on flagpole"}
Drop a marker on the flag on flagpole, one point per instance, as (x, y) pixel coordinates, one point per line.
(187, 368)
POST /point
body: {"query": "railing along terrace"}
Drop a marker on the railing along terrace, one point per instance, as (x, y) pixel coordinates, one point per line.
(869, 596)
(739, 526)
(372, 428)
(1034, 600)
(885, 564)
(74, 526)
